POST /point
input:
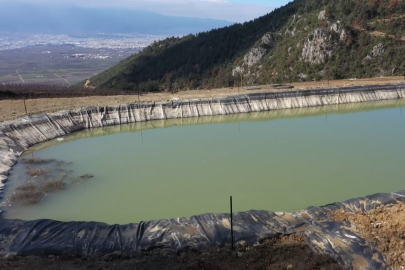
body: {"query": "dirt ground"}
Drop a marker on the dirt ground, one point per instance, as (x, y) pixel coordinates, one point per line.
(384, 228)
(284, 253)
(12, 109)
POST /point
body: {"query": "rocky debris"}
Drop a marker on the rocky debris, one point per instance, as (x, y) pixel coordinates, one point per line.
(376, 52)
(302, 76)
(318, 47)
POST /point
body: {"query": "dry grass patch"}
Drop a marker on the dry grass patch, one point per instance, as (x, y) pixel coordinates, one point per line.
(37, 161)
(27, 194)
(37, 172)
(54, 185)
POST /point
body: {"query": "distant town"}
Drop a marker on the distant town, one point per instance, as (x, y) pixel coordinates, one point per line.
(114, 42)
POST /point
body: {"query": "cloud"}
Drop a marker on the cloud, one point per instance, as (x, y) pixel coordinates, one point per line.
(217, 9)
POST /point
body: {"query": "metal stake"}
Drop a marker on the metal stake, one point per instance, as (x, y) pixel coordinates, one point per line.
(25, 106)
(231, 225)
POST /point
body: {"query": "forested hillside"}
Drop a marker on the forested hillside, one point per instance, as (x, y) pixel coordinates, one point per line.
(304, 40)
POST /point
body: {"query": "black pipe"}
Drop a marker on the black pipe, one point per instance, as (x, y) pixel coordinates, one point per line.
(231, 225)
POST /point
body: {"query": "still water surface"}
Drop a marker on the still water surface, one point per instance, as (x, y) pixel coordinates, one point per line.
(279, 161)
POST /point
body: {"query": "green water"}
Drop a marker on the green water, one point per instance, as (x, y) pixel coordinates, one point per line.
(278, 161)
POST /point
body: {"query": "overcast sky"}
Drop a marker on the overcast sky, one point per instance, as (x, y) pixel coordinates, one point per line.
(231, 10)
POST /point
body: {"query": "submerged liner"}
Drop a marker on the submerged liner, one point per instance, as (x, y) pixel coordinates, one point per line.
(45, 237)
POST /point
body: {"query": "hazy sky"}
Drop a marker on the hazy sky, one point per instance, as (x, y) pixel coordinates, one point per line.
(231, 10)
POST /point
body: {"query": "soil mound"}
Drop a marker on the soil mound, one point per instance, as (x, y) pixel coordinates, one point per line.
(384, 228)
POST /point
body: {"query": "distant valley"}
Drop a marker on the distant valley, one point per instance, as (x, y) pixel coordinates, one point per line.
(67, 19)
(65, 44)
(57, 64)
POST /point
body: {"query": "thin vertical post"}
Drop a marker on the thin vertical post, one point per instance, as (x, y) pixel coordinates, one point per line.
(142, 135)
(231, 224)
(25, 106)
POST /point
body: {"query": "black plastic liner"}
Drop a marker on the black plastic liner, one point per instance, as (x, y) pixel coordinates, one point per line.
(48, 237)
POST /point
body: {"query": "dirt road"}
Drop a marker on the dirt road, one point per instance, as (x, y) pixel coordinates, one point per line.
(12, 109)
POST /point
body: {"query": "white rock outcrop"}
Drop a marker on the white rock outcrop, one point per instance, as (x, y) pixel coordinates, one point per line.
(322, 15)
(254, 56)
(338, 29)
(376, 52)
(318, 47)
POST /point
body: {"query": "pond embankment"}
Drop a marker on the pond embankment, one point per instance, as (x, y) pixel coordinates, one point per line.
(44, 237)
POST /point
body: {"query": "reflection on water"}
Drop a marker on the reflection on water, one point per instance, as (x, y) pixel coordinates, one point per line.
(279, 160)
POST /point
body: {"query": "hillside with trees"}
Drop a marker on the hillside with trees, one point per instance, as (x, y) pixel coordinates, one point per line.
(303, 41)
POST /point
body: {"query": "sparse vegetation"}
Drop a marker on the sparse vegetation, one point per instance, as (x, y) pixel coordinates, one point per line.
(37, 161)
(54, 185)
(27, 194)
(37, 172)
(86, 176)
(54, 178)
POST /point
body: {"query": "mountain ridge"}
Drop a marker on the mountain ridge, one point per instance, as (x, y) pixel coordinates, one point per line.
(301, 41)
(55, 19)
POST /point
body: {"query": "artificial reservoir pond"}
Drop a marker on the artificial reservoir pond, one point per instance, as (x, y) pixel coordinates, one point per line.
(282, 160)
